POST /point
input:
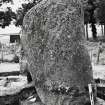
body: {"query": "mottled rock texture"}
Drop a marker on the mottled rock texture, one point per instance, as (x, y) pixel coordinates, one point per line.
(52, 37)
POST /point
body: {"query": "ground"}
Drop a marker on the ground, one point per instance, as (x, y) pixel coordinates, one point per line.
(98, 68)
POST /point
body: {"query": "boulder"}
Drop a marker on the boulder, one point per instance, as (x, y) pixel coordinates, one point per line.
(53, 41)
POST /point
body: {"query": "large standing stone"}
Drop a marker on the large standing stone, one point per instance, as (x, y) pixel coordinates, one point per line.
(53, 42)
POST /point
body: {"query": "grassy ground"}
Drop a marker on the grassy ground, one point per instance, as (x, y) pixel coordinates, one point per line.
(93, 48)
(98, 67)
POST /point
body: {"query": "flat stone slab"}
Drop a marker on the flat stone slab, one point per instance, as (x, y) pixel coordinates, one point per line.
(9, 67)
(98, 71)
(12, 84)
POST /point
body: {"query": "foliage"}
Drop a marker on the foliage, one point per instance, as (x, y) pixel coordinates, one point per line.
(6, 17)
(6, 1)
(22, 11)
(86, 11)
(100, 12)
(89, 15)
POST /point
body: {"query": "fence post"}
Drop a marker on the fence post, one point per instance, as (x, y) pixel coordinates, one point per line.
(91, 93)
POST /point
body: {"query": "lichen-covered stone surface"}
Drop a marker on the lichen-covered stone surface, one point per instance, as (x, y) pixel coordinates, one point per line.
(52, 38)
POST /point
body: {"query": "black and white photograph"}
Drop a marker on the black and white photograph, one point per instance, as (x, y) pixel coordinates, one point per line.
(52, 52)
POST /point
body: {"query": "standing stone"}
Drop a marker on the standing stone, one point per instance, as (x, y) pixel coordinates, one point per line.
(52, 37)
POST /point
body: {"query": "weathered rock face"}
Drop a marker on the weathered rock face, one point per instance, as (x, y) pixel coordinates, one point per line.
(53, 42)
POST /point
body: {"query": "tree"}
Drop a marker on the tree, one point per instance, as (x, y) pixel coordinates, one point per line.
(92, 20)
(6, 16)
(89, 15)
(100, 13)
(22, 11)
(6, 1)
(86, 16)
